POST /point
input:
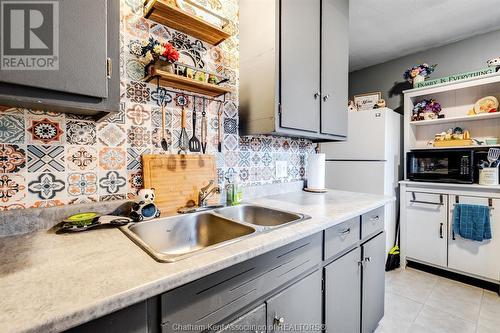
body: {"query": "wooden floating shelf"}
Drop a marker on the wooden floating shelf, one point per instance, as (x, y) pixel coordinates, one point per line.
(160, 11)
(183, 83)
(484, 116)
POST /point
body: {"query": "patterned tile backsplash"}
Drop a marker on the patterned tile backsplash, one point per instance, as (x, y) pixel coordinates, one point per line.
(50, 159)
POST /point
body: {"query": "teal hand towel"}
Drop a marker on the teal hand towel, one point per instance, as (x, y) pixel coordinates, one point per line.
(472, 222)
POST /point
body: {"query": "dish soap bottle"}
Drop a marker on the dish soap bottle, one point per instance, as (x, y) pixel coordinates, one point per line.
(234, 192)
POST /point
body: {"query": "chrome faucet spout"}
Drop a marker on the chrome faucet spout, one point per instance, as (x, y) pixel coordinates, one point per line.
(206, 192)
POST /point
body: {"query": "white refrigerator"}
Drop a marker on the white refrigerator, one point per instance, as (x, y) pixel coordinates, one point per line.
(370, 161)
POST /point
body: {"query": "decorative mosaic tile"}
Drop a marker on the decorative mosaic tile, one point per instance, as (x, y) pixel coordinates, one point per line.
(137, 26)
(112, 197)
(47, 203)
(161, 96)
(156, 117)
(112, 182)
(12, 188)
(134, 157)
(11, 206)
(138, 136)
(12, 158)
(230, 126)
(156, 137)
(81, 133)
(255, 143)
(46, 158)
(11, 128)
(81, 158)
(46, 186)
(138, 92)
(112, 158)
(111, 135)
(45, 131)
(135, 181)
(134, 69)
(118, 117)
(138, 114)
(84, 199)
(230, 141)
(231, 159)
(82, 184)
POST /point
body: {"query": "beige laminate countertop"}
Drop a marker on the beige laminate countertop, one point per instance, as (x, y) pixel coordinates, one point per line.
(51, 282)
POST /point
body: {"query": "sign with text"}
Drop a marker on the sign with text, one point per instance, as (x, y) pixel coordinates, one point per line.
(458, 77)
(29, 35)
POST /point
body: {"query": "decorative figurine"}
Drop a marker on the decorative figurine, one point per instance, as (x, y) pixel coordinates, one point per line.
(495, 62)
(380, 104)
(144, 208)
(351, 106)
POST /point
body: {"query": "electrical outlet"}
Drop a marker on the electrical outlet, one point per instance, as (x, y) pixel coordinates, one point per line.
(281, 169)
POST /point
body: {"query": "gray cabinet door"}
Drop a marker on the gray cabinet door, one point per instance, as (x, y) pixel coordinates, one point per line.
(81, 34)
(297, 308)
(343, 293)
(334, 66)
(300, 64)
(251, 322)
(373, 283)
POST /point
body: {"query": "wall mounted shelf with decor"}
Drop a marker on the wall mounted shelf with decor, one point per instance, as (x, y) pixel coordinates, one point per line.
(162, 12)
(183, 83)
(477, 117)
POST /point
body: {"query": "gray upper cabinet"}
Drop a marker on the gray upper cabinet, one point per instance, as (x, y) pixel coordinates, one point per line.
(300, 64)
(86, 44)
(293, 68)
(334, 66)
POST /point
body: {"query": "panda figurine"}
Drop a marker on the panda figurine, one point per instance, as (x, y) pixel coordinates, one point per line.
(495, 62)
(144, 208)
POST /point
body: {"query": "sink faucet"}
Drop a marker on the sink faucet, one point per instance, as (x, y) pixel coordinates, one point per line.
(206, 192)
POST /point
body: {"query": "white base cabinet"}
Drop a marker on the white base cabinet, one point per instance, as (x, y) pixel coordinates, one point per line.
(426, 227)
(477, 258)
(427, 232)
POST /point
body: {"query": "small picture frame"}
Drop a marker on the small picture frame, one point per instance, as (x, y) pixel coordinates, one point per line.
(367, 101)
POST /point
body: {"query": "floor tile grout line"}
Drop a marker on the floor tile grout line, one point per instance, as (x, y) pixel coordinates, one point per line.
(479, 315)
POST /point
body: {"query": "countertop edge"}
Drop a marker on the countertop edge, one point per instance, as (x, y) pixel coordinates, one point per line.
(110, 304)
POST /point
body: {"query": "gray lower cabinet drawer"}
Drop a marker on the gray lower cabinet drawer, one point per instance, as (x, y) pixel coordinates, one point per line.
(341, 237)
(214, 298)
(372, 222)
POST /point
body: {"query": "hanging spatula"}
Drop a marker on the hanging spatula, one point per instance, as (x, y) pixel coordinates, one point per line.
(194, 142)
(493, 155)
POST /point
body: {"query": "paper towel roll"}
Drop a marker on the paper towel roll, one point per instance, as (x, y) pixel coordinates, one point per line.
(316, 171)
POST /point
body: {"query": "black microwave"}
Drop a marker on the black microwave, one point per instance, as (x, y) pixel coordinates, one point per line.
(443, 165)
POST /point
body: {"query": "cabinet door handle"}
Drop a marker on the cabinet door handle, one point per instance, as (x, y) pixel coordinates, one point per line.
(345, 232)
(453, 235)
(368, 259)
(441, 230)
(326, 97)
(375, 218)
(317, 95)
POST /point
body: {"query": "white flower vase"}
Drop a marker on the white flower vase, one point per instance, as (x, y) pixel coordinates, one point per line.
(417, 79)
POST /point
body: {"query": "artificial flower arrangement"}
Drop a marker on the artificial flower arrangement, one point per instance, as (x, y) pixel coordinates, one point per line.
(426, 110)
(152, 51)
(418, 73)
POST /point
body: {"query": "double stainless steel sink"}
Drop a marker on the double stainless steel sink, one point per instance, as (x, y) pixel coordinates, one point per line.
(173, 238)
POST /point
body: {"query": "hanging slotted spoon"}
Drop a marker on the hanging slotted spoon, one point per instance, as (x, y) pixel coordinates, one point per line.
(493, 155)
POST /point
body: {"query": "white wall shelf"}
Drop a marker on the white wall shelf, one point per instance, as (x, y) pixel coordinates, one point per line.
(484, 116)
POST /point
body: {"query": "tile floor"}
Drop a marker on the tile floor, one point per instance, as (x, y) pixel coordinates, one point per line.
(420, 302)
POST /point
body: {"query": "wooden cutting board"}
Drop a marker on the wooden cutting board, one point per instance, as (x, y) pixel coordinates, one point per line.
(177, 179)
